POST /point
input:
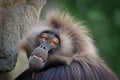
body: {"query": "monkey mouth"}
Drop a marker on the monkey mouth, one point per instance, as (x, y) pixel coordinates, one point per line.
(39, 57)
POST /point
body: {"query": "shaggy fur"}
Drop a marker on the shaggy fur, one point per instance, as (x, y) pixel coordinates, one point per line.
(77, 71)
(76, 51)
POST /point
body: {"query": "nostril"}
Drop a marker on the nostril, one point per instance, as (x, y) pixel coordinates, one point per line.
(44, 48)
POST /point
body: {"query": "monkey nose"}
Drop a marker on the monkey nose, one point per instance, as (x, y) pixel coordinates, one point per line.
(45, 47)
(42, 47)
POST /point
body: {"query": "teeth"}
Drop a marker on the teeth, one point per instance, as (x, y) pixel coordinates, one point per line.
(40, 58)
(35, 56)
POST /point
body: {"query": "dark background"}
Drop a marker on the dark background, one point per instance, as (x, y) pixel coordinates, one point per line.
(102, 17)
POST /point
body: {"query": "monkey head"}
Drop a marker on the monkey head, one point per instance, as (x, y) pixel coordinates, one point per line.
(58, 41)
(48, 41)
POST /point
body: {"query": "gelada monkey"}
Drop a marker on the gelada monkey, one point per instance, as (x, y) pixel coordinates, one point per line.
(60, 49)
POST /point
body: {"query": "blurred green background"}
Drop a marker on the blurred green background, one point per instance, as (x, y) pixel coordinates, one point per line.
(102, 17)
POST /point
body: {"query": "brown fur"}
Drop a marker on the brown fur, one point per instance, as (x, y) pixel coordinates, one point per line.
(76, 50)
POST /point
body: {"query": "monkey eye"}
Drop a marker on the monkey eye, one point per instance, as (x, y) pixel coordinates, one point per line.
(54, 41)
(44, 36)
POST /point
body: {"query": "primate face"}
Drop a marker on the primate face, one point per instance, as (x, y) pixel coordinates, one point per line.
(48, 41)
